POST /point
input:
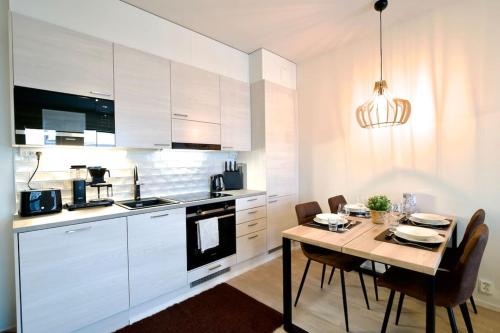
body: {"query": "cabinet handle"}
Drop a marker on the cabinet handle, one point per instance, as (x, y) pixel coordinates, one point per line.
(254, 236)
(78, 230)
(215, 267)
(162, 144)
(99, 93)
(272, 195)
(252, 225)
(251, 199)
(272, 201)
(252, 212)
(181, 115)
(161, 215)
(227, 147)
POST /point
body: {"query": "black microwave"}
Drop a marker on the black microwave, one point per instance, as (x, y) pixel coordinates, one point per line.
(44, 117)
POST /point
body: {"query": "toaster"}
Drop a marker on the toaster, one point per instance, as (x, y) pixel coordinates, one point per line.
(38, 202)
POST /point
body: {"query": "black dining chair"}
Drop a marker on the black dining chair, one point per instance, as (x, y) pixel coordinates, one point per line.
(334, 203)
(344, 262)
(453, 287)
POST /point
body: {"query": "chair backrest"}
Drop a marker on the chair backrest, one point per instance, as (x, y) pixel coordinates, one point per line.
(464, 274)
(335, 201)
(307, 211)
(476, 220)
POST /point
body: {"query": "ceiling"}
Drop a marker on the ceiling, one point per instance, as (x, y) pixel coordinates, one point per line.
(294, 29)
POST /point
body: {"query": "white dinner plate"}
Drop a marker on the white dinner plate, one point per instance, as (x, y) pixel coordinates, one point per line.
(325, 222)
(416, 233)
(441, 223)
(356, 208)
(326, 216)
(434, 240)
(428, 217)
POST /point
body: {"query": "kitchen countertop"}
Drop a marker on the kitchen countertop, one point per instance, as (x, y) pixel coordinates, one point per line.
(64, 218)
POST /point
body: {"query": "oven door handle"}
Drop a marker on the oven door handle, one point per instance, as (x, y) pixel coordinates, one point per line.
(224, 216)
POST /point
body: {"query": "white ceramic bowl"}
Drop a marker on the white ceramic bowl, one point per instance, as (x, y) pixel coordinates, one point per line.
(416, 233)
(327, 216)
(356, 208)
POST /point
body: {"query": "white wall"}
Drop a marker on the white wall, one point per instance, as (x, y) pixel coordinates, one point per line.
(7, 308)
(122, 23)
(447, 63)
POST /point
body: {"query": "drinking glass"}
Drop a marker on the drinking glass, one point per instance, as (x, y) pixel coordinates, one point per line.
(395, 213)
(333, 224)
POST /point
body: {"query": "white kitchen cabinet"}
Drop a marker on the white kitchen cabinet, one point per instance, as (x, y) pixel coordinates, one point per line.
(235, 115)
(250, 202)
(281, 140)
(157, 254)
(49, 57)
(251, 245)
(195, 132)
(195, 94)
(142, 99)
(73, 276)
(280, 216)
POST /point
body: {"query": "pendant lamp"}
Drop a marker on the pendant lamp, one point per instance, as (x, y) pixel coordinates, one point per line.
(382, 109)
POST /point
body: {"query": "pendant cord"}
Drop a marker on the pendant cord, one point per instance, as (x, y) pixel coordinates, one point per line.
(380, 26)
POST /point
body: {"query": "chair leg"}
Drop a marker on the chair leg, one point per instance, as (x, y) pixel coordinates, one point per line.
(386, 266)
(453, 322)
(473, 304)
(375, 280)
(331, 275)
(344, 300)
(388, 311)
(323, 275)
(465, 314)
(364, 289)
(400, 306)
(302, 282)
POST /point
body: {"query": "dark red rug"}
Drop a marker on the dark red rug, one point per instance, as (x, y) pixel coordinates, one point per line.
(218, 310)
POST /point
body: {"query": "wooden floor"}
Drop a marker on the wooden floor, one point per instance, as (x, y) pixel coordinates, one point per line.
(321, 310)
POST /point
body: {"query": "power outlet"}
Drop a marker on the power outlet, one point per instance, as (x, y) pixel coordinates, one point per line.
(28, 154)
(485, 287)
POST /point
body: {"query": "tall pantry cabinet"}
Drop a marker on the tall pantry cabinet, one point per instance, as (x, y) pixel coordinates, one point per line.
(273, 163)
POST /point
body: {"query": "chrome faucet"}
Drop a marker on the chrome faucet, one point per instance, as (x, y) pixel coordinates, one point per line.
(137, 186)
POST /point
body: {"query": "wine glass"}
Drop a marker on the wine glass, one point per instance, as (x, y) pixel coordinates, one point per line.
(343, 212)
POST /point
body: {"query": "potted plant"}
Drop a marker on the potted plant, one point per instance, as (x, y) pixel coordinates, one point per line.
(379, 205)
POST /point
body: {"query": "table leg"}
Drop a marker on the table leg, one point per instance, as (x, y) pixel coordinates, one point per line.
(454, 237)
(430, 306)
(287, 285)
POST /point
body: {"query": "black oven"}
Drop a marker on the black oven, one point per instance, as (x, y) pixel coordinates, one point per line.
(226, 214)
(44, 117)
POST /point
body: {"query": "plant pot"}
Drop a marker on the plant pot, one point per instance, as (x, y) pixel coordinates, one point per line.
(378, 217)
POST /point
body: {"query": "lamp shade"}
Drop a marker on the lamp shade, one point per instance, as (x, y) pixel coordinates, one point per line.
(382, 109)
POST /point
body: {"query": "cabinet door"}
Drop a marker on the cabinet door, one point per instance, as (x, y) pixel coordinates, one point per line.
(280, 216)
(157, 254)
(53, 58)
(235, 115)
(142, 99)
(185, 131)
(195, 94)
(281, 140)
(73, 276)
(250, 246)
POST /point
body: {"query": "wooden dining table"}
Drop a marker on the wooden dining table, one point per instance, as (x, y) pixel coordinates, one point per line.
(360, 241)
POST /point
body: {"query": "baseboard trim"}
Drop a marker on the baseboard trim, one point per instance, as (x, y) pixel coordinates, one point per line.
(486, 304)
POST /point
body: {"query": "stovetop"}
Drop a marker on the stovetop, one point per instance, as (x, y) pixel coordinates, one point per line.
(197, 196)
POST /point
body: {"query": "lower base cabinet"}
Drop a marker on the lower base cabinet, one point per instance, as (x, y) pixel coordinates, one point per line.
(73, 276)
(157, 254)
(280, 216)
(251, 245)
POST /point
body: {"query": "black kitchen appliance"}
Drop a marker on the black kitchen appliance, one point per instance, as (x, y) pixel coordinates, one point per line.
(38, 202)
(225, 212)
(80, 188)
(217, 183)
(97, 173)
(44, 117)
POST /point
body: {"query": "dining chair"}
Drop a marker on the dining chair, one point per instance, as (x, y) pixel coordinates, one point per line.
(345, 263)
(452, 255)
(334, 203)
(453, 287)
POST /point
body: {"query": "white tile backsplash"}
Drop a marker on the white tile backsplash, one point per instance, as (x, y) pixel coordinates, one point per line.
(161, 172)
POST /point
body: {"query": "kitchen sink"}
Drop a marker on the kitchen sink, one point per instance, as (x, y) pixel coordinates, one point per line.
(146, 203)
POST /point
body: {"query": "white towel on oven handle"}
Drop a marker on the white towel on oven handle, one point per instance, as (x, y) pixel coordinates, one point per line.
(208, 233)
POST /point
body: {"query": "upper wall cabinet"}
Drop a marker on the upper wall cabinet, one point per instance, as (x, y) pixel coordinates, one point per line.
(235, 115)
(142, 99)
(52, 58)
(195, 94)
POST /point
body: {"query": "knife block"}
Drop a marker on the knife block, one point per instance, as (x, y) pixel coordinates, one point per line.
(233, 180)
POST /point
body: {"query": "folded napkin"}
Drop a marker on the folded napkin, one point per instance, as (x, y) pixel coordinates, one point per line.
(208, 233)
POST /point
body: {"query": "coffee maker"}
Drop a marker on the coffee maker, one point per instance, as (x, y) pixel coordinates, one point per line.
(80, 184)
